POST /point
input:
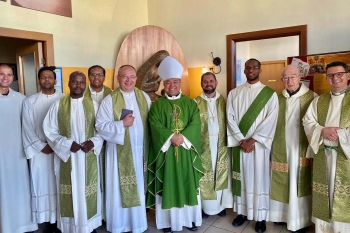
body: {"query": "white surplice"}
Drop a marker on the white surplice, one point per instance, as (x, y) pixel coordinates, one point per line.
(61, 146)
(255, 166)
(212, 207)
(296, 213)
(119, 219)
(176, 218)
(313, 129)
(43, 180)
(15, 204)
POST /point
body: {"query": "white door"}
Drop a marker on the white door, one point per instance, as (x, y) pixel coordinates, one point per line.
(29, 61)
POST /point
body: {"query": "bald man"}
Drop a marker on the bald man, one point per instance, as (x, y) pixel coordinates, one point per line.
(290, 200)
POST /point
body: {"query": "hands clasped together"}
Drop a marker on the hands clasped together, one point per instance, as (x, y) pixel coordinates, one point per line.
(85, 146)
(330, 133)
(247, 145)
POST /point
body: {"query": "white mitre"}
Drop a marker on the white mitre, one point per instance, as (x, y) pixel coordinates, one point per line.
(170, 68)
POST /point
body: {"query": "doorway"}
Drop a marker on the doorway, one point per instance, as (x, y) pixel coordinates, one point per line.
(20, 49)
(232, 39)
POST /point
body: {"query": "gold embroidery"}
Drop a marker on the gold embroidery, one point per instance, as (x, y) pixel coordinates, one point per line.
(236, 175)
(281, 167)
(320, 188)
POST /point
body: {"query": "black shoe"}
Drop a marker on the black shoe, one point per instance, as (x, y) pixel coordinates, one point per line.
(239, 220)
(204, 215)
(279, 223)
(222, 213)
(260, 226)
(193, 228)
(94, 231)
(167, 230)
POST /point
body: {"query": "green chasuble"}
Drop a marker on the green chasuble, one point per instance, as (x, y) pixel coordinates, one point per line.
(320, 194)
(91, 166)
(174, 174)
(210, 182)
(279, 174)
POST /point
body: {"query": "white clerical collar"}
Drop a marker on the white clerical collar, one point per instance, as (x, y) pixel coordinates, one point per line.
(253, 85)
(204, 96)
(92, 90)
(127, 93)
(173, 97)
(49, 95)
(340, 93)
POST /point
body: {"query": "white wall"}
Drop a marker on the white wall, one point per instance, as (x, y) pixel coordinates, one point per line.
(92, 36)
(274, 49)
(201, 26)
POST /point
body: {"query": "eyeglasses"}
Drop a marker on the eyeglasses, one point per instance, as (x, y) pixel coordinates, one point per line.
(292, 77)
(254, 68)
(96, 75)
(338, 75)
(8, 75)
(125, 76)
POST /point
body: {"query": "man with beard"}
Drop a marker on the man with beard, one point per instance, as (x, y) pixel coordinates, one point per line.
(69, 127)
(39, 152)
(96, 90)
(15, 201)
(212, 108)
(251, 114)
(174, 167)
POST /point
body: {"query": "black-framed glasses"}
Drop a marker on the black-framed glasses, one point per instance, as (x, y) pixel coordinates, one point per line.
(96, 75)
(338, 75)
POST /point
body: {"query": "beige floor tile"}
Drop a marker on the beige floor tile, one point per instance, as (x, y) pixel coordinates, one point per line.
(210, 220)
(270, 228)
(226, 224)
(212, 229)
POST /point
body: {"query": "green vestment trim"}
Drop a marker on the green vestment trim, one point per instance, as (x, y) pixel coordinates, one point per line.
(320, 194)
(91, 166)
(244, 125)
(127, 176)
(280, 175)
(174, 175)
(87, 93)
(207, 184)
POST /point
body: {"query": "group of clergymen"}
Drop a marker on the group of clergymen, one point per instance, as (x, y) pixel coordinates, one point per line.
(98, 154)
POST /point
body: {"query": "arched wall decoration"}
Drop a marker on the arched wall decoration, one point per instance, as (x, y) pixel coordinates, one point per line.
(145, 41)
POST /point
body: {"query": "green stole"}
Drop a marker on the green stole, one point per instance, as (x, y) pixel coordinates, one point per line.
(87, 93)
(91, 166)
(127, 176)
(244, 125)
(208, 186)
(280, 177)
(320, 195)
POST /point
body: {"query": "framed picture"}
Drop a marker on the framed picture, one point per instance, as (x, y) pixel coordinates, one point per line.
(59, 85)
(57, 7)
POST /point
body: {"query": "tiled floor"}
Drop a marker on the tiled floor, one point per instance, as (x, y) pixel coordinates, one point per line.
(214, 224)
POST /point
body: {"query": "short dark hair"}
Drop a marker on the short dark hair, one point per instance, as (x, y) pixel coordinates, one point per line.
(75, 73)
(338, 63)
(253, 59)
(208, 73)
(126, 66)
(7, 66)
(50, 68)
(97, 66)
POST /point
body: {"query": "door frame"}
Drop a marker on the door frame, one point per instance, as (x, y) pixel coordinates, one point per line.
(232, 39)
(45, 38)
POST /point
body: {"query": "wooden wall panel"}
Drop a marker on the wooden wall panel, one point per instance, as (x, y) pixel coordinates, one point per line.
(145, 41)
